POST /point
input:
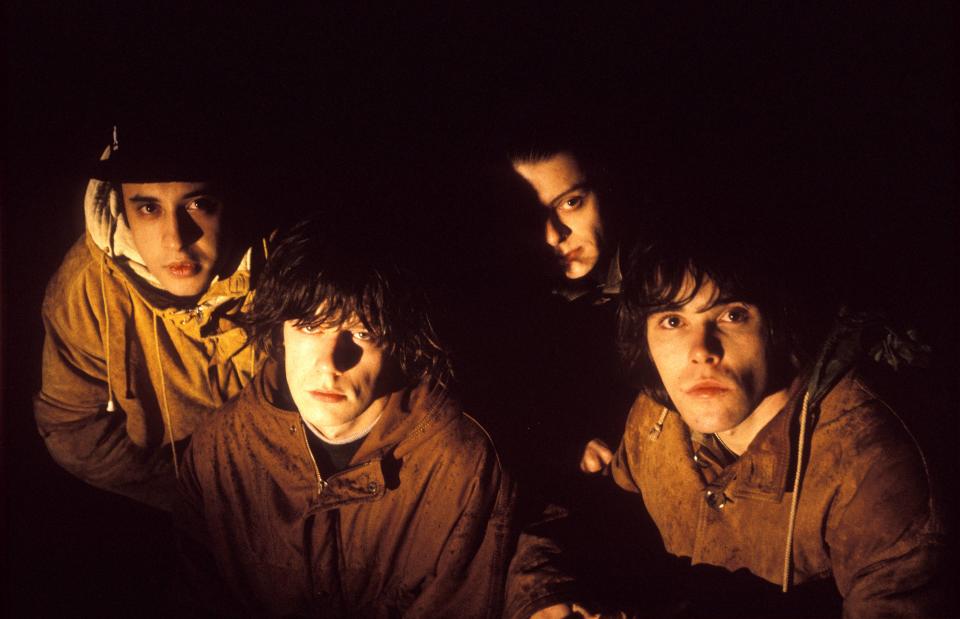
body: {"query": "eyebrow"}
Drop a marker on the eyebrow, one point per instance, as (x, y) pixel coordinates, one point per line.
(673, 307)
(193, 194)
(581, 186)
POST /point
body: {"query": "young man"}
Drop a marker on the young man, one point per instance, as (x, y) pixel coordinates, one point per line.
(581, 234)
(142, 341)
(749, 459)
(343, 481)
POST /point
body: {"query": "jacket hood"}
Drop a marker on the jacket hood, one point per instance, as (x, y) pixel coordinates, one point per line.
(109, 232)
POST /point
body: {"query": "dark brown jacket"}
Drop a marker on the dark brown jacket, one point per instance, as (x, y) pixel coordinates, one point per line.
(865, 516)
(419, 525)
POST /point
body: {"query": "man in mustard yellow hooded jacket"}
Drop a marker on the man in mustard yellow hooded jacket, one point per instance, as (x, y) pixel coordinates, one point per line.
(141, 340)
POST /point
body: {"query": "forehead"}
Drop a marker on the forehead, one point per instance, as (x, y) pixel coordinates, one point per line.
(691, 297)
(552, 176)
(331, 316)
(167, 190)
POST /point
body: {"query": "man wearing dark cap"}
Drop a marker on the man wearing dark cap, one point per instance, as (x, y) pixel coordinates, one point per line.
(141, 340)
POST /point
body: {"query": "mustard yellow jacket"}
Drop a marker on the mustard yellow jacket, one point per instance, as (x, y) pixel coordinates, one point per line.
(126, 378)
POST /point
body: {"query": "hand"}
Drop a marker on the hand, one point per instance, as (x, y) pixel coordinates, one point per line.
(596, 458)
(564, 611)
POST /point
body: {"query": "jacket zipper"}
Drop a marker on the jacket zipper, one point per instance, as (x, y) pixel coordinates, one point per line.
(316, 469)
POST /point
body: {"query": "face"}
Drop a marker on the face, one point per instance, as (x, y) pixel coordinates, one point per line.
(574, 229)
(712, 359)
(335, 375)
(176, 227)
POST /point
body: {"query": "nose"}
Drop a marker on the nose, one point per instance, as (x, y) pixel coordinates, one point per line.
(336, 353)
(179, 230)
(556, 230)
(705, 347)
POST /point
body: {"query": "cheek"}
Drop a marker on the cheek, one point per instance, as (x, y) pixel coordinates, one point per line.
(295, 359)
(368, 373)
(146, 241)
(667, 360)
(211, 233)
(754, 357)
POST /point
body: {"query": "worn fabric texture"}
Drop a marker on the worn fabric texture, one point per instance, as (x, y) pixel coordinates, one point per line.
(866, 516)
(125, 372)
(420, 524)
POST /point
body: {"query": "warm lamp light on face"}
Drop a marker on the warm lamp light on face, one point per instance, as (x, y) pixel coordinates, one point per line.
(713, 359)
(176, 228)
(335, 374)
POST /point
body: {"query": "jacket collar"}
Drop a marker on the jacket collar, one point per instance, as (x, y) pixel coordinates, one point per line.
(762, 471)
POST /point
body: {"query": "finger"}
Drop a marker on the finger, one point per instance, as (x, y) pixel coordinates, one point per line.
(589, 463)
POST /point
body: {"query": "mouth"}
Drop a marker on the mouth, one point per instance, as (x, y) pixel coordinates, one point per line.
(183, 268)
(330, 397)
(707, 389)
(572, 255)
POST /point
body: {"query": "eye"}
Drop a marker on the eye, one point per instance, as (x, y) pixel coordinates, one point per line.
(571, 204)
(671, 321)
(362, 336)
(307, 328)
(735, 315)
(205, 205)
(148, 208)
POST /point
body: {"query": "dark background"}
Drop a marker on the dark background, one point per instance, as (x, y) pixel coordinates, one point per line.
(834, 127)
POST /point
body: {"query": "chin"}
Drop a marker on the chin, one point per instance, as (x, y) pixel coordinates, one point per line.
(708, 422)
(578, 271)
(191, 288)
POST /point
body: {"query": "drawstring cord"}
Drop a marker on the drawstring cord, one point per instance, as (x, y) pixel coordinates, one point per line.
(788, 551)
(163, 395)
(106, 344)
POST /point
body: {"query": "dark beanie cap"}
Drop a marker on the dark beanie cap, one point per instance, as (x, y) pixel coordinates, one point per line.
(153, 151)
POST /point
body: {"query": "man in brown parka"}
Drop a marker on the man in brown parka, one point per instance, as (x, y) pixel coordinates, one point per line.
(343, 482)
(749, 460)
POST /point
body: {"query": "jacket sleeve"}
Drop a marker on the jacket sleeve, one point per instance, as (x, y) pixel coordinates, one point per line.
(70, 409)
(886, 538)
(470, 571)
(198, 589)
(539, 575)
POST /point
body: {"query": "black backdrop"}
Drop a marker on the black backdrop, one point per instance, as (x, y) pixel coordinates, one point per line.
(834, 126)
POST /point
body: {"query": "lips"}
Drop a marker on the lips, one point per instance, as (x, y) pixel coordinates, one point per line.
(184, 268)
(707, 389)
(572, 255)
(329, 397)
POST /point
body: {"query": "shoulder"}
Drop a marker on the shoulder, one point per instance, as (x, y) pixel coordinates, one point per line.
(464, 432)
(644, 415)
(228, 428)
(73, 274)
(871, 452)
(458, 443)
(857, 417)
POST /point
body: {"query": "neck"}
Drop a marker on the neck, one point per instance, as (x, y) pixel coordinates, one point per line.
(739, 437)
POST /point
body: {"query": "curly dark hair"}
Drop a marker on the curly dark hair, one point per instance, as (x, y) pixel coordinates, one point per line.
(317, 275)
(654, 278)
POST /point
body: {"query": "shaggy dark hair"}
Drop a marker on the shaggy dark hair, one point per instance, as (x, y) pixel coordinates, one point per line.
(654, 277)
(317, 275)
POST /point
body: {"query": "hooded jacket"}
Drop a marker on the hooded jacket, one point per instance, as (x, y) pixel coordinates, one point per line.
(860, 510)
(417, 525)
(127, 376)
